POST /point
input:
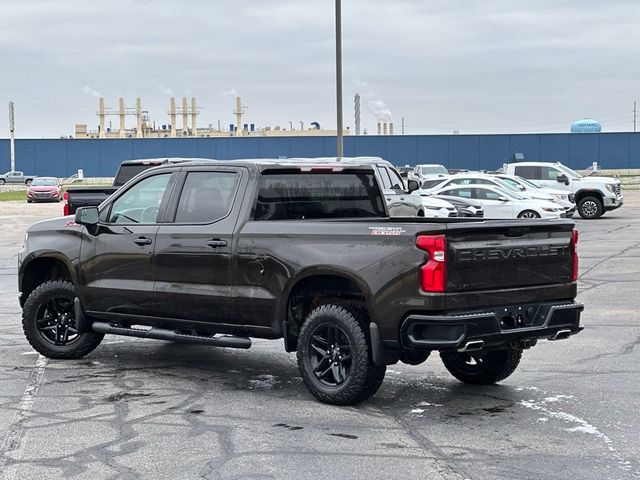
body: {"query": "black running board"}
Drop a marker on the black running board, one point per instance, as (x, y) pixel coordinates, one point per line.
(163, 334)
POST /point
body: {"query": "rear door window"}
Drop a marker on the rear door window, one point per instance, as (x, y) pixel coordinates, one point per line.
(528, 171)
(206, 196)
(289, 196)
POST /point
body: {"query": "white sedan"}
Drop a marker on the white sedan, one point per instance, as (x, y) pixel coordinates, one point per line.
(501, 203)
(437, 208)
(561, 197)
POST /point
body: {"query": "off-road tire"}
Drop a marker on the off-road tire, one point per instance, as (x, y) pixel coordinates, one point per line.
(491, 366)
(590, 208)
(364, 378)
(43, 294)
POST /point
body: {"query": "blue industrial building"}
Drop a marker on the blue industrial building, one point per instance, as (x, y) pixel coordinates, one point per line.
(101, 157)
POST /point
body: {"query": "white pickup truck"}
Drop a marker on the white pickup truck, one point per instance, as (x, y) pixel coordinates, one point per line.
(593, 195)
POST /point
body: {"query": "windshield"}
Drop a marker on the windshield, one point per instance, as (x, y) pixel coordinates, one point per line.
(512, 184)
(524, 181)
(509, 193)
(433, 170)
(44, 182)
(568, 171)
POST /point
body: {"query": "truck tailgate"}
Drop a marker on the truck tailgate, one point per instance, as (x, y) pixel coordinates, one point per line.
(482, 256)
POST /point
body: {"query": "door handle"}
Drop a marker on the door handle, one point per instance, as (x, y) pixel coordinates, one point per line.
(215, 243)
(142, 241)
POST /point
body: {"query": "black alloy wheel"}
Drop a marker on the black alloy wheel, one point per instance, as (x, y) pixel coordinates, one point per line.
(56, 322)
(49, 322)
(334, 355)
(330, 354)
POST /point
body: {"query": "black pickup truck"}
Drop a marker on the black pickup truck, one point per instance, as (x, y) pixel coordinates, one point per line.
(76, 197)
(216, 253)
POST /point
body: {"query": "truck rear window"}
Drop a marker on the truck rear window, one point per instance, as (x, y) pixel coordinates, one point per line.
(290, 196)
(127, 172)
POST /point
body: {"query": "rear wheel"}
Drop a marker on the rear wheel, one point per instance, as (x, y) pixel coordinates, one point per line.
(482, 367)
(49, 322)
(334, 356)
(529, 214)
(590, 208)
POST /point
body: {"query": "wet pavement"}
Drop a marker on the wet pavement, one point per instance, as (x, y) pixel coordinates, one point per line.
(151, 409)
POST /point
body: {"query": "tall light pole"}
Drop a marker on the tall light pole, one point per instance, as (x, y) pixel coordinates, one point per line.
(340, 139)
(12, 132)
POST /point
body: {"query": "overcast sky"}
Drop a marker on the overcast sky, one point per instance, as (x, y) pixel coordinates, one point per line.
(473, 66)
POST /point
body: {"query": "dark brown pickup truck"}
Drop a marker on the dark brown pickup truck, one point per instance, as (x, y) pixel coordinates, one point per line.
(217, 252)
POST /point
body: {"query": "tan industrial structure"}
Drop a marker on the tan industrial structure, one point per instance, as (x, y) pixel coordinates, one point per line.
(144, 128)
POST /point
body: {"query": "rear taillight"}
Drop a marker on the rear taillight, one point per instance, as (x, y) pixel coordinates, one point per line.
(574, 255)
(65, 208)
(433, 274)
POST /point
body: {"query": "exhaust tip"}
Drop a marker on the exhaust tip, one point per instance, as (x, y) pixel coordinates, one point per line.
(561, 335)
(472, 346)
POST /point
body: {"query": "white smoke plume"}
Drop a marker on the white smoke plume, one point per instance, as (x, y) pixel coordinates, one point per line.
(90, 91)
(376, 106)
(229, 93)
(167, 91)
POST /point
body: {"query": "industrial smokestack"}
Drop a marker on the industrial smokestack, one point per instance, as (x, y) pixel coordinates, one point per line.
(172, 116)
(384, 128)
(194, 114)
(391, 129)
(185, 117)
(356, 101)
(238, 112)
(121, 132)
(379, 128)
(138, 117)
(102, 133)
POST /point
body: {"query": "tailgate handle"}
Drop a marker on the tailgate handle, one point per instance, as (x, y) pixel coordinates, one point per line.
(142, 241)
(216, 242)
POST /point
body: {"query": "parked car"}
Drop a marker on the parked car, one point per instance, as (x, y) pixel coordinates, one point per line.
(16, 177)
(44, 189)
(76, 197)
(437, 207)
(478, 178)
(466, 207)
(429, 170)
(502, 203)
(593, 195)
(213, 253)
(561, 197)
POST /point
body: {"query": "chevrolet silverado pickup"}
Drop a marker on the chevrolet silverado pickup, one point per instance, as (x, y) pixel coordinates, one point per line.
(215, 253)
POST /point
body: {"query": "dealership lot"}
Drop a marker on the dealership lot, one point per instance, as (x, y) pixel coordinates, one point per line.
(151, 409)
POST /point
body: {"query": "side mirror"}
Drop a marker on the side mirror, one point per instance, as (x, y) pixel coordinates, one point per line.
(413, 186)
(87, 216)
(562, 178)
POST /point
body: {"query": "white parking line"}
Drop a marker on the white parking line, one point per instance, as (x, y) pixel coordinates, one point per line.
(11, 441)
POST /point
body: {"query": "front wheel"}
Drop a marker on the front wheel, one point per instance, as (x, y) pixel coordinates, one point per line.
(2, 181)
(529, 214)
(28, 182)
(482, 367)
(49, 322)
(334, 356)
(590, 208)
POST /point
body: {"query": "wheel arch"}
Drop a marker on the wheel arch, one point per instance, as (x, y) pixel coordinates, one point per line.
(40, 268)
(315, 287)
(580, 194)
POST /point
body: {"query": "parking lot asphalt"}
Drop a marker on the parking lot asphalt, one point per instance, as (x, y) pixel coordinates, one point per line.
(151, 409)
